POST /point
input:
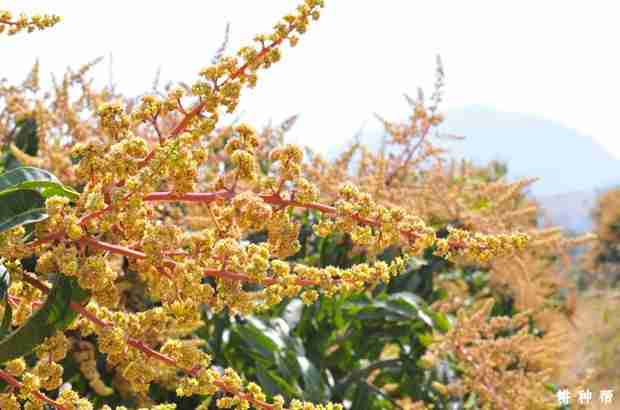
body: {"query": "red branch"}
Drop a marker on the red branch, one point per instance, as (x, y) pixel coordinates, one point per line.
(202, 197)
(409, 155)
(13, 382)
(121, 250)
(116, 249)
(273, 199)
(200, 106)
(9, 22)
(48, 238)
(135, 343)
(100, 212)
(242, 277)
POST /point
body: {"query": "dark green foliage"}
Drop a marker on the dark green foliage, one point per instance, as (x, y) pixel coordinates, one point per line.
(20, 207)
(23, 192)
(54, 315)
(5, 281)
(22, 196)
(35, 179)
(24, 136)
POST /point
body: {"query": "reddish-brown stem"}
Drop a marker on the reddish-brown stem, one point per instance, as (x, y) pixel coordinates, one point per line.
(100, 212)
(110, 247)
(13, 382)
(390, 177)
(156, 127)
(200, 106)
(89, 315)
(187, 117)
(203, 197)
(49, 238)
(125, 251)
(135, 343)
(181, 108)
(242, 277)
(273, 199)
(143, 347)
(12, 301)
(162, 196)
(9, 22)
(176, 253)
(15, 301)
(36, 283)
(244, 396)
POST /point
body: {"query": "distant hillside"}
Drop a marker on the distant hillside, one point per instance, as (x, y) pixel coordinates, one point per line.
(570, 210)
(571, 167)
(564, 160)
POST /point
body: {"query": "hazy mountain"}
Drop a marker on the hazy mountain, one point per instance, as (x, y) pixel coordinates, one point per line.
(570, 210)
(572, 168)
(564, 160)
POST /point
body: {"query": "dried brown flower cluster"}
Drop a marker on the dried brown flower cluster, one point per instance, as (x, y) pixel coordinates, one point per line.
(602, 261)
(505, 371)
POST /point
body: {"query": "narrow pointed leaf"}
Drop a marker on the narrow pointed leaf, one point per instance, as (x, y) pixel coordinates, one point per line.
(313, 386)
(54, 315)
(20, 207)
(26, 136)
(25, 139)
(35, 178)
(6, 320)
(5, 281)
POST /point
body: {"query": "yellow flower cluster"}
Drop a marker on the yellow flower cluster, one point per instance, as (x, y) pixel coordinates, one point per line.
(28, 298)
(13, 25)
(478, 247)
(86, 360)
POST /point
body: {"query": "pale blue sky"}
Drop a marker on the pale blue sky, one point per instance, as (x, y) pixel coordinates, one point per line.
(557, 59)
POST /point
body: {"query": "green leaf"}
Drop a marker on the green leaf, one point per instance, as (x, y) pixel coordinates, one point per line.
(26, 137)
(261, 339)
(20, 207)
(60, 190)
(6, 320)
(35, 178)
(54, 315)
(441, 321)
(5, 281)
(313, 386)
(17, 176)
(361, 400)
(379, 311)
(274, 384)
(410, 303)
(471, 401)
(426, 339)
(292, 313)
